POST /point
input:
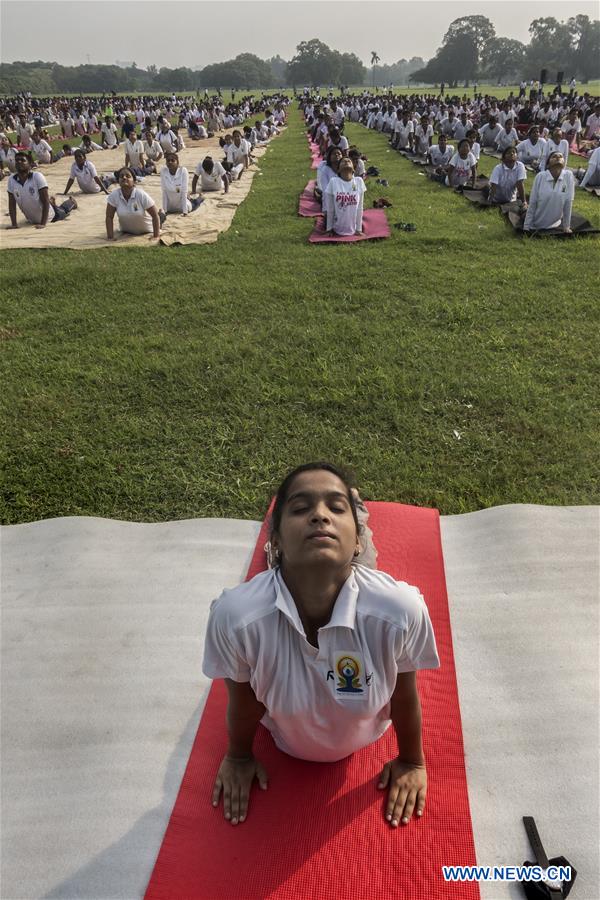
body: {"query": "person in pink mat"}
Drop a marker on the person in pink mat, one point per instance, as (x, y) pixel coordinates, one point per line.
(321, 649)
(343, 201)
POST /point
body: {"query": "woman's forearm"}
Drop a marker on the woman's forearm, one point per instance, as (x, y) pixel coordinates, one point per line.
(244, 713)
(406, 718)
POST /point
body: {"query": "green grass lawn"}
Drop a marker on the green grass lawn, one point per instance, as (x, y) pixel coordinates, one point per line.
(456, 366)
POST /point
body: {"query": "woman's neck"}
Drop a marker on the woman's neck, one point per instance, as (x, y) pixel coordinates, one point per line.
(315, 591)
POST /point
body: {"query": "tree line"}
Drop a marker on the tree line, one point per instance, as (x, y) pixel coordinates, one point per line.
(470, 50)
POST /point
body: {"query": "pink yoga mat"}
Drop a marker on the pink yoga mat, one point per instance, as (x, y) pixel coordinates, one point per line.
(375, 225)
(308, 205)
(318, 832)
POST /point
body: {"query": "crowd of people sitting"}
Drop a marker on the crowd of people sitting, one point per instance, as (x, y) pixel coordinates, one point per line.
(450, 134)
(145, 130)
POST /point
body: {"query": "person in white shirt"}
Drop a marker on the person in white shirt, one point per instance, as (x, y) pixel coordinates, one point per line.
(357, 161)
(591, 177)
(462, 167)
(338, 140)
(166, 138)
(423, 136)
(343, 201)
(448, 125)
(41, 149)
(592, 125)
(24, 131)
(67, 126)
(555, 144)
(507, 181)
(135, 209)
(134, 155)
(29, 191)
(571, 129)
(108, 131)
(472, 136)
(212, 176)
(463, 125)
(439, 155)
(7, 157)
(86, 175)
(326, 170)
(338, 115)
(322, 651)
(488, 134)
(404, 130)
(88, 145)
(531, 150)
(152, 151)
(174, 185)
(238, 154)
(551, 198)
(507, 137)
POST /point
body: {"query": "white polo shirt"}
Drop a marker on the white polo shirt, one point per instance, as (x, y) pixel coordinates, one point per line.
(134, 150)
(214, 181)
(506, 180)
(85, 177)
(322, 703)
(109, 133)
(28, 196)
(133, 218)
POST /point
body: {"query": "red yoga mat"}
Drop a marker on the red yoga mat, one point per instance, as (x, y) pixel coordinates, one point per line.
(308, 205)
(318, 832)
(375, 225)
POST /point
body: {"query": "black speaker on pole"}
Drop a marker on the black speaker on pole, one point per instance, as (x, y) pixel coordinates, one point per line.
(544, 76)
(560, 77)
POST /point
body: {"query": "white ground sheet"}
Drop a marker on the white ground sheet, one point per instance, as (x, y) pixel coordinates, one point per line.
(102, 630)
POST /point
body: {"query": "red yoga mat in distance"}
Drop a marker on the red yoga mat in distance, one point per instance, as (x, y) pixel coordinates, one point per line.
(318, 832)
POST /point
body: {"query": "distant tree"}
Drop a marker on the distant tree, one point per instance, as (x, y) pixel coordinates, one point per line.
(352, 70)
(454, 62)
(464, 46)
(478, 28)
(314, 63)
(246, 70)
(505, 58)
(549, 48)
(585, 47)
(278, 69)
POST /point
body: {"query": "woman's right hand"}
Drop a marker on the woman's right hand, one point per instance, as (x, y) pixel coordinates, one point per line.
(235, 779)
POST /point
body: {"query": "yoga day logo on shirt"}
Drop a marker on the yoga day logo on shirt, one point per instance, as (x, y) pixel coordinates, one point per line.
(348, 670)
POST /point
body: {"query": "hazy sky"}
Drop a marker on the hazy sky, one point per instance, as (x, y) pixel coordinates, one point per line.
(192, 33)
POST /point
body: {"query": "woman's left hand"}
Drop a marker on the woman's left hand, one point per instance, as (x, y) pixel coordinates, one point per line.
(407, 784)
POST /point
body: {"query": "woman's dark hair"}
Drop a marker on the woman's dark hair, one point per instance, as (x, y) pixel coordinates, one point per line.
(284, 487)
(331, 149)
(125, 169)
(507, 149)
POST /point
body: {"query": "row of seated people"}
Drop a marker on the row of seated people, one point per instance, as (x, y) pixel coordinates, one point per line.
(135, 208)
(142, 154)
(549, 206)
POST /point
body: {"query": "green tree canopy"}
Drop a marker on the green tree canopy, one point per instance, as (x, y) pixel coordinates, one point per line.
(505, 58)
(314, 63)
(465, 43)
(245, 71)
